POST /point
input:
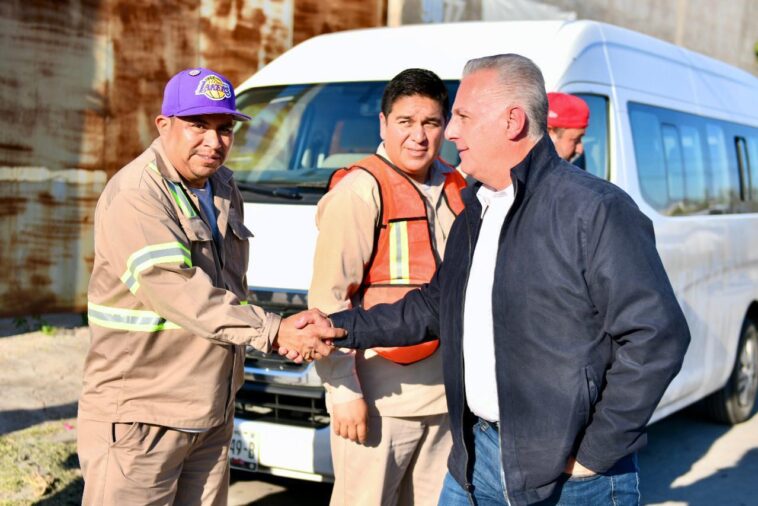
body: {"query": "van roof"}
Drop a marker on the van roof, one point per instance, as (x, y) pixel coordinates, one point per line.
(566, 52)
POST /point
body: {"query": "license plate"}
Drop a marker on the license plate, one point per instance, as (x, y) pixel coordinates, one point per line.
(243, 451)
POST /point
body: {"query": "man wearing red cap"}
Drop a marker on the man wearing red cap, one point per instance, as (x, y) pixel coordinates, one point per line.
(567, 119)
(168, 312)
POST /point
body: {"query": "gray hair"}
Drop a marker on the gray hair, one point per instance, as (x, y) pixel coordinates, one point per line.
(522, 81)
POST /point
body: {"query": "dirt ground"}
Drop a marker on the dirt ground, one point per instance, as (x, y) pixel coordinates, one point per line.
(40, 374)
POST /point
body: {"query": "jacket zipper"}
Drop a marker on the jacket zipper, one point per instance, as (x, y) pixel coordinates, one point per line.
(219, 264)
(502, 426)
(468, 486)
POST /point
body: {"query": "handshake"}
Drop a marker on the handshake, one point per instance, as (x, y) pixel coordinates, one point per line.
(306, 336)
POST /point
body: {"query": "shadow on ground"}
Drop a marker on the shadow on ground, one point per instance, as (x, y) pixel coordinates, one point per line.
(18, 419)
(295, 491)
(69, 496)
(678, 443)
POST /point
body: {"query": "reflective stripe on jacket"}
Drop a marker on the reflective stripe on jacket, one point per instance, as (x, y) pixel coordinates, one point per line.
(403, 257)
(167, 304)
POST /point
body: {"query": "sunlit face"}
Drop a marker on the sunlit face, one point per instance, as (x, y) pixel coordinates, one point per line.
(196, 145)
(567, 141)
(413, 134)
(479, 123)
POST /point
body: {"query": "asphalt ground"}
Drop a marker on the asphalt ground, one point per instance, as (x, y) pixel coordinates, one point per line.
(688, 461)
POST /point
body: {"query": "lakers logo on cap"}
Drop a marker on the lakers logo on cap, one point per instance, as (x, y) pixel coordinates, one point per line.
(214, 88)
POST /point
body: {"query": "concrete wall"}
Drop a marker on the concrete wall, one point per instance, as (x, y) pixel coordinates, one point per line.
(80, 84)
(726, 30)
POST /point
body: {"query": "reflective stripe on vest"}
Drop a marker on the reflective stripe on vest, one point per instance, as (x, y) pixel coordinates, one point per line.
(132, 320)
(403, 258)
(399, 257)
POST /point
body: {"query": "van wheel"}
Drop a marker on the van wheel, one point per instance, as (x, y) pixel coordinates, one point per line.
(735, 401)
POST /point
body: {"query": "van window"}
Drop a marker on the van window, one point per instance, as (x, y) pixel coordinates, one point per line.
(744, 166)
(689, 164)
(651, 165)
(672, 150)
(719, 161)
(300, 133)
(595, 140)
(752, 155)
(693, 155)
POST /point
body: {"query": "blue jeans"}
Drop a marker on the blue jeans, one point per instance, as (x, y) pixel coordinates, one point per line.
(617, 487)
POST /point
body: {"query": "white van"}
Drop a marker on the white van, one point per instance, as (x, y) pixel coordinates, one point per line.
(677, 130)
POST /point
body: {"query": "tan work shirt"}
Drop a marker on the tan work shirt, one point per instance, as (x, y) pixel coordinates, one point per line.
(167, 305)
(346, 218)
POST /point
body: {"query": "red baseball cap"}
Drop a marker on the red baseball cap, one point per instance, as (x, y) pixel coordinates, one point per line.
(566, 111)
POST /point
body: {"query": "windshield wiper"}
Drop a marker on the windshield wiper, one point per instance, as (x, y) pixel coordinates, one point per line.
(313, 185)
(289, 193)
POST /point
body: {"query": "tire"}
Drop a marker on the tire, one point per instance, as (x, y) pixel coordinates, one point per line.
(735, 401)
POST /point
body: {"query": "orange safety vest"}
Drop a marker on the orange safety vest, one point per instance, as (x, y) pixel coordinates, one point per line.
(403, 257)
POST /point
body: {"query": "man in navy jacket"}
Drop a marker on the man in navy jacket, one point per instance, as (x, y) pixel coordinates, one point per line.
(559, 328)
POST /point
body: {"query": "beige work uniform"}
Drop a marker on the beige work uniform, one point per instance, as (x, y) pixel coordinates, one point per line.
(169, 322)
(404, 460)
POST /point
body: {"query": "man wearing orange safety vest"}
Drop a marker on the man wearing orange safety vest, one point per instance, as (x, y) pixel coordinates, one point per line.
(382, 231)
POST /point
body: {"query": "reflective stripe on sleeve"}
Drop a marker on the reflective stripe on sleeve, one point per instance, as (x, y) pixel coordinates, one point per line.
(170, 252)
(399, 256)
(127, 319)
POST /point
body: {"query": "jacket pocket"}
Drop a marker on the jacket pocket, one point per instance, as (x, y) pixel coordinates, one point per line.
(238, 227)
(123, 432)
(196, 230)
(592, 390)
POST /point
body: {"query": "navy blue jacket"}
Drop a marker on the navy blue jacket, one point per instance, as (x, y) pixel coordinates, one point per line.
(588, 332)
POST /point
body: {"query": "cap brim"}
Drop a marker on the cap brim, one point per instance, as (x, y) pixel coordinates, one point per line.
(199, 111)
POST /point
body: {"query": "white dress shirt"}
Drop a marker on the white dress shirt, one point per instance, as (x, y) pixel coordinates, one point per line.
(478, 325)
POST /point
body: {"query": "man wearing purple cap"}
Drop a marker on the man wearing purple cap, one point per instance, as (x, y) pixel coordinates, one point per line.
(168, 312)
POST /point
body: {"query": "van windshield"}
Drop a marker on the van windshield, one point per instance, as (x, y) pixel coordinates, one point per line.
(300, 133)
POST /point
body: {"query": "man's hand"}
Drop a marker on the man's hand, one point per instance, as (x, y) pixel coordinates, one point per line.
(350, 420)
(575, 469)
(306, 336)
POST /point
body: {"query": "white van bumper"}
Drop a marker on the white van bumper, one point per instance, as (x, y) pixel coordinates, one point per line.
(282, 450)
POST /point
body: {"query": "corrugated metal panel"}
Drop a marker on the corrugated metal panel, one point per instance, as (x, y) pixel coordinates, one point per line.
(315, 17)
(47, 248)
(50, 84)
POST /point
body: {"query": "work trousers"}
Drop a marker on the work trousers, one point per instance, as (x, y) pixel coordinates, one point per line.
(150, 465)
(403, 462)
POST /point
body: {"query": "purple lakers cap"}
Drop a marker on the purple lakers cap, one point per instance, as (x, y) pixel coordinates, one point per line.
(192, 92)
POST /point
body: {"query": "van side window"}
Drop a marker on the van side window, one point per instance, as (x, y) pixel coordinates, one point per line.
(672, 150)
(688, 164)
(693, 155)
(752, 154)
(651, 165)
(720, 196)
(595, 140)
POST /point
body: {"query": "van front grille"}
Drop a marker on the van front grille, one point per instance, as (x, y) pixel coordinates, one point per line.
(303, 406)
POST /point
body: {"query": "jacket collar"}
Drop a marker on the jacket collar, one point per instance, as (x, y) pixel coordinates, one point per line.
(526, 175)
(537, 164)
(220, 179)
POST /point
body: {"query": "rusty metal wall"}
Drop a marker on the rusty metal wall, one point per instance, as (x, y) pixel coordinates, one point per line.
(46, 224)
(315, 17)
(80, 84)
